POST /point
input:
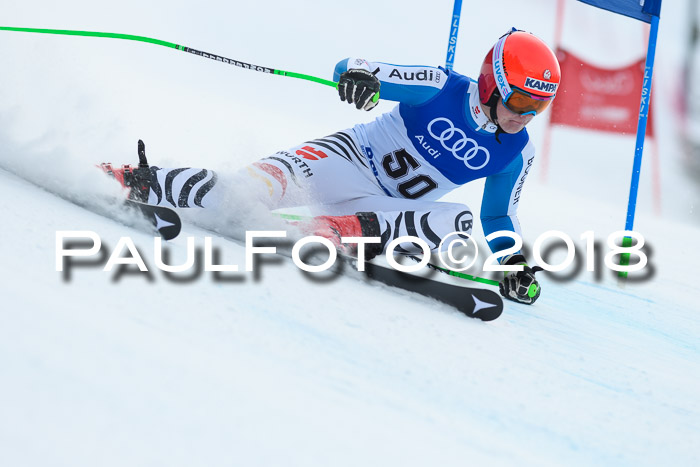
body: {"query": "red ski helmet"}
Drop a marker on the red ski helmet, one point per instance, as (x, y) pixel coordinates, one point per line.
(523, 70)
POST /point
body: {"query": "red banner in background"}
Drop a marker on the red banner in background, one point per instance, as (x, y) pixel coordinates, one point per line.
(599, 98)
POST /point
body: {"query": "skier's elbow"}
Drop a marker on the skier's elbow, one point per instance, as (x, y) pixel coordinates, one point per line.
(340, 68)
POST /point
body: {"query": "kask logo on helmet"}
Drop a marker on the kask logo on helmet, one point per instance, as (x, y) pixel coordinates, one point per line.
(455, 141)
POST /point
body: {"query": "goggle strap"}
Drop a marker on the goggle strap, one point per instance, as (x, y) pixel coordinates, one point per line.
(498, 72)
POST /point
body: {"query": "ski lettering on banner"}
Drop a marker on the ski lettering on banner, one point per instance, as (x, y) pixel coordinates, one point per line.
(599, 98)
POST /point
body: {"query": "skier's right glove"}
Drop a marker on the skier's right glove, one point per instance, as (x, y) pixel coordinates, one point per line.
(520, 286)
(358, 86)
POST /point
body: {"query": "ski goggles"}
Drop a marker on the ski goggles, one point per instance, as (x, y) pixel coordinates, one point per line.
(525, 103)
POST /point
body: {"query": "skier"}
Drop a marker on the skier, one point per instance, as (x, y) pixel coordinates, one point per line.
(382, 179)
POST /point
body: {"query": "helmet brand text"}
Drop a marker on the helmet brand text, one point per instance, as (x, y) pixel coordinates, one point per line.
(539, 85)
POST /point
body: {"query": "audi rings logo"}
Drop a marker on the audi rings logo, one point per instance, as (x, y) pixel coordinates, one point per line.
(455, 141)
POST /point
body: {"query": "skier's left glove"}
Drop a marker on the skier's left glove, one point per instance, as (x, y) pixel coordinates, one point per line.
(520, 286)
(358, 86)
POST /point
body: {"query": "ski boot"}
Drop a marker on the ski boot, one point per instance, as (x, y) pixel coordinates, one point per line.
(136, 179)
(362, 224)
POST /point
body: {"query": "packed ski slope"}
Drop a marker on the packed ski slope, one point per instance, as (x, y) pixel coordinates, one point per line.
(115, 370)
(277, 369)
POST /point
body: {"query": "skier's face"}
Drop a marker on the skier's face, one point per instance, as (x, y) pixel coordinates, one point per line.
(510, 121)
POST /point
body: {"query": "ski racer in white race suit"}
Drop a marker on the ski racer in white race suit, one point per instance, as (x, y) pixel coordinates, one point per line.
(383, 179)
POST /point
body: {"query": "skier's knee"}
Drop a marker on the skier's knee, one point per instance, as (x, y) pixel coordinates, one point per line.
(453, 217)
(437, 223)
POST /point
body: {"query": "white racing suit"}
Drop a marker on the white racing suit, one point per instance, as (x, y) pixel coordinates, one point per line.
(397, 166)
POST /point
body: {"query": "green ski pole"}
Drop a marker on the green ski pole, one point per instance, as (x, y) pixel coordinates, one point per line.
(150, 40)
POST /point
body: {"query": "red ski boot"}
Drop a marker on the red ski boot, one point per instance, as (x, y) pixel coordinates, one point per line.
(362, 224)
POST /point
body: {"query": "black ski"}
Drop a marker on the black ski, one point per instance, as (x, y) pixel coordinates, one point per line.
(474, 302)
(165, 220)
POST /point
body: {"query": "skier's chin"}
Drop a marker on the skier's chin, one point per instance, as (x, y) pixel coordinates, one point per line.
(513, 126)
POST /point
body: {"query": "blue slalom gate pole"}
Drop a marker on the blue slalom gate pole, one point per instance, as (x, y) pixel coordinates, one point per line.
(649, 12)
(454, 29)
(639, 145)
(642, 125)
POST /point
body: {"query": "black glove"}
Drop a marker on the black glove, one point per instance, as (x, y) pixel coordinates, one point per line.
(138, 180)
(521, 286)
(358, 86)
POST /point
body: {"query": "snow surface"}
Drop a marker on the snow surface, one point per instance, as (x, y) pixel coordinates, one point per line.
(145, 369)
